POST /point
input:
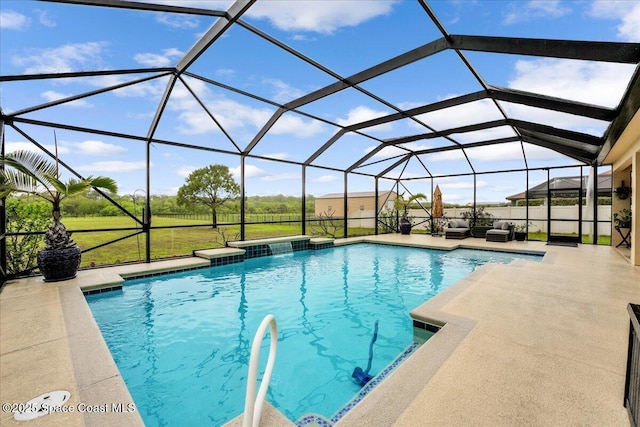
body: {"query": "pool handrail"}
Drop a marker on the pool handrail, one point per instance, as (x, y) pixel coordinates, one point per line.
(253, 403)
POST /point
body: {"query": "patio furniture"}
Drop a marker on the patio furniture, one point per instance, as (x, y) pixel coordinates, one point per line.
(457, 229)
(480, 231)
(502, 231)
(625, 236)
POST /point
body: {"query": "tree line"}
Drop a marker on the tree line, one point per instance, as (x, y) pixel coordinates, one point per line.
(93, 204)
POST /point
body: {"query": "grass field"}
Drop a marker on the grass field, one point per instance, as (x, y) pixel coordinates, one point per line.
(602, 240)
(189, 235)
(167, 242)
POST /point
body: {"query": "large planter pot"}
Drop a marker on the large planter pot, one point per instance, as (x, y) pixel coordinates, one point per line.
(520, 236)
(405, 227)
(59, 264)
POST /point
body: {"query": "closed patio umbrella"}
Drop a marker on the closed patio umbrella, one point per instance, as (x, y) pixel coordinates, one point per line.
(437, 203)
(436, 211)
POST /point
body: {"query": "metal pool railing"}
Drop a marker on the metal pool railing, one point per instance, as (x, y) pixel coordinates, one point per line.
(632, 383)
(253, 403)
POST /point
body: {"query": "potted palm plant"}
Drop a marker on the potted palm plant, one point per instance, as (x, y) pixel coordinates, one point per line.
(27, 172)
(402, 204)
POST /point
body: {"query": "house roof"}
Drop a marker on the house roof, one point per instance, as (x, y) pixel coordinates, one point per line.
(570, 185)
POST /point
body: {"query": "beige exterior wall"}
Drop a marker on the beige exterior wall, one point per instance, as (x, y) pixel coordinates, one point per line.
(335, 206)
(625, 158)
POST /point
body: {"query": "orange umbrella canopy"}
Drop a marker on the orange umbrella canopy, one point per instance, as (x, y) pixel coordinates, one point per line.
(437, 202)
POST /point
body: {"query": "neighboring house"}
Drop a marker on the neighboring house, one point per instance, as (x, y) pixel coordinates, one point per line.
(333, 204)
(565, 186)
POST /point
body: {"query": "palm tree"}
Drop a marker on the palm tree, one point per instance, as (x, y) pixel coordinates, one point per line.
(30, 173)
(404, 223)
(403, 204)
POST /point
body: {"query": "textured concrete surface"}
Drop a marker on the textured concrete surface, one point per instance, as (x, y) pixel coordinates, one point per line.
(523, 344)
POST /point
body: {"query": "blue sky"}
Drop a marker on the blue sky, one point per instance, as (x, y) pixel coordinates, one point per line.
(346, 37)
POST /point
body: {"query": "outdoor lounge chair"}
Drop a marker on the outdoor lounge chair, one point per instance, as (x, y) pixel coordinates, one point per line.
(502, 231)
(458, 229)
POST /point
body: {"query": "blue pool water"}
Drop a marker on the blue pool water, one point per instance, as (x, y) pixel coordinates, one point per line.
(182, 340)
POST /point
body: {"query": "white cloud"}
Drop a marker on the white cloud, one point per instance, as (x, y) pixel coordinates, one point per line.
(279, 156)
(153, 88)
(283, 91)
(165, 59)
(15, 146)
(304, 15)
(459, 115)
(229, 113)
(461, 185)
(98, 148)
(185, 171)
(585, 81)
(225, 72)
(395, 174)
(325, 178)
(113, 166)
(534, 9)
(447, 156)
(44, 19)
(12, 20)
(628, 12)
(387, 151)
(51, 95)
(556, 119)
(250, 171)
(319, 16)
(392, 150)
(535, 152)
(303, 38)
(502, 152)
(280, 177)
(185, 22)
(484, 135)
(361, 114)
(295, 125)
(66, 58)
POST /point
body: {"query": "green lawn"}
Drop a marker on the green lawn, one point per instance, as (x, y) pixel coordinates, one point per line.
(602, 240)
(182, 241)
(167, 242)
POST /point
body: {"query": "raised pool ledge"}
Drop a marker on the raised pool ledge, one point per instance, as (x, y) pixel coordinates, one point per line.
(264, 247)
(221, 256)
(283, 239)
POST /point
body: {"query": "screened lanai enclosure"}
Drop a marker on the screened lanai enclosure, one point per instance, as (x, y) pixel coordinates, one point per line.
(306, 99)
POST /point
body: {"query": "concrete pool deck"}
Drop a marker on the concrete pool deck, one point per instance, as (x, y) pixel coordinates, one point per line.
(533, 343)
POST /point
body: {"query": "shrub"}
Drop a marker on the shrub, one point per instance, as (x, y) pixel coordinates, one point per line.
(479, 217)
(23, 218)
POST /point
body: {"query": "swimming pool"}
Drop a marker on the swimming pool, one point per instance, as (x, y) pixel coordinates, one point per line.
(182, 340)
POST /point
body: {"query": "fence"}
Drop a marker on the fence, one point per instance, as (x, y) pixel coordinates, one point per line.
(233, 218)
(564, 218)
